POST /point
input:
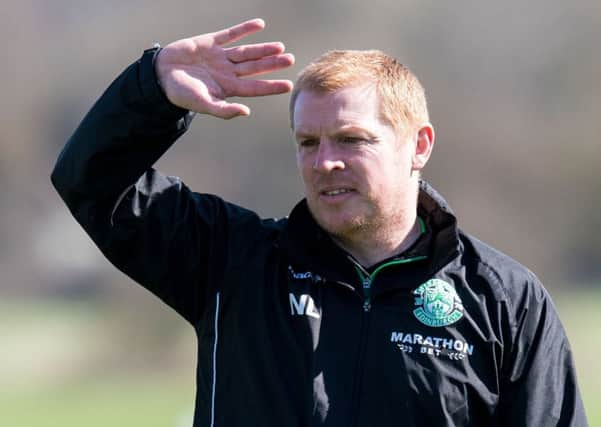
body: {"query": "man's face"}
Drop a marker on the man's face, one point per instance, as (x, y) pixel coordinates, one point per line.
(357, 169)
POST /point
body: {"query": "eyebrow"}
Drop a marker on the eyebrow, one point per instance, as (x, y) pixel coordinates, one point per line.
(302, 134)
(345, 130)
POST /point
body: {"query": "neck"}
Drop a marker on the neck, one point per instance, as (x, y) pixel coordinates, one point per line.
(369, 248)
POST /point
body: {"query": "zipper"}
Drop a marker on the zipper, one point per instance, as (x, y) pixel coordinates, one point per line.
(366, 284)
(367, 280)
(355, 397)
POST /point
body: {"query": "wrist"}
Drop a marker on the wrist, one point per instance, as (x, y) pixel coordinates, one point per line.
(149, 82)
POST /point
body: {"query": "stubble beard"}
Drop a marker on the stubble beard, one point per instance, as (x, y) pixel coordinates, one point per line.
(370, 226)
(362, 226)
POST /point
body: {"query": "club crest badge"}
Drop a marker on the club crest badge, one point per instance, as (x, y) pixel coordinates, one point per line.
(437, 303)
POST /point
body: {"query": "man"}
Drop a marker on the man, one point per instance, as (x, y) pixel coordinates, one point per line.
(367, 306)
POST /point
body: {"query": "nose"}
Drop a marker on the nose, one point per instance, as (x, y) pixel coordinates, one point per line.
(327, 158)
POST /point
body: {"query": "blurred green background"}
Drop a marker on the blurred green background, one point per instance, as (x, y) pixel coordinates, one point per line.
(514, 95)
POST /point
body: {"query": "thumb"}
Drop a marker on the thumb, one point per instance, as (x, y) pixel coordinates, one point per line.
(226, 110)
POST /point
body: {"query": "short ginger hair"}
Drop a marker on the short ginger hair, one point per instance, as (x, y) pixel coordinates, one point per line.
(402, 97)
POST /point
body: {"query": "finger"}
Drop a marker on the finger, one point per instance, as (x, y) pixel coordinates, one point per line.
(226, 110)
(235, 33)
(253, 51)
(264, 65)
(248, 88)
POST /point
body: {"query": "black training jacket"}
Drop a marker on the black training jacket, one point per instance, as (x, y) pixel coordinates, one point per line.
(291, 330)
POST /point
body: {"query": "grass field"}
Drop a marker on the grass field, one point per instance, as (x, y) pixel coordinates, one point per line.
(101, 403)
(59, 366)
(581, 315)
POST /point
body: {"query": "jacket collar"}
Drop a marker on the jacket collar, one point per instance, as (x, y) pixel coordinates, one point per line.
(442, 222)
(309, 247)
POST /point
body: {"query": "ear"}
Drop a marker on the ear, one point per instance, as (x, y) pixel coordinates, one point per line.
(423, 146)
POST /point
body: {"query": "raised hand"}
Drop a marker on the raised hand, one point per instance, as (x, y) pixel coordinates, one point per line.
(199, 73)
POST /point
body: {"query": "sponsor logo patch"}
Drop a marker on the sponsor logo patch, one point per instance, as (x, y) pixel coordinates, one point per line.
(452, 348)
(437, 303)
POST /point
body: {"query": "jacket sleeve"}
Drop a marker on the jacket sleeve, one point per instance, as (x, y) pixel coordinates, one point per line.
(539, 385)
(150, 226)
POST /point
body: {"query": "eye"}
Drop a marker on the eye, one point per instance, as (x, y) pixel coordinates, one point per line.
(309, 142)
(351, 139)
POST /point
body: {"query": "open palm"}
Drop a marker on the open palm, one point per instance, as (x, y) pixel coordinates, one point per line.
(199, 73)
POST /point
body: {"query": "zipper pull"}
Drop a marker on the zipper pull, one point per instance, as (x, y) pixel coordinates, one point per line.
(367, 292)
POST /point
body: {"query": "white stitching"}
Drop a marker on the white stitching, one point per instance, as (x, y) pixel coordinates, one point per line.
(216, 325)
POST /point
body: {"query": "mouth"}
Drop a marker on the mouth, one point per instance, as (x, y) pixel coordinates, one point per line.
(336, 191)
(335, 195)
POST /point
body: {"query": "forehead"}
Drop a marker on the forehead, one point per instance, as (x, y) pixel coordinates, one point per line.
(348, 106)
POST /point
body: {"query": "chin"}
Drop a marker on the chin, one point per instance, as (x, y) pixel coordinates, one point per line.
(339, 227)
(338, 222)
